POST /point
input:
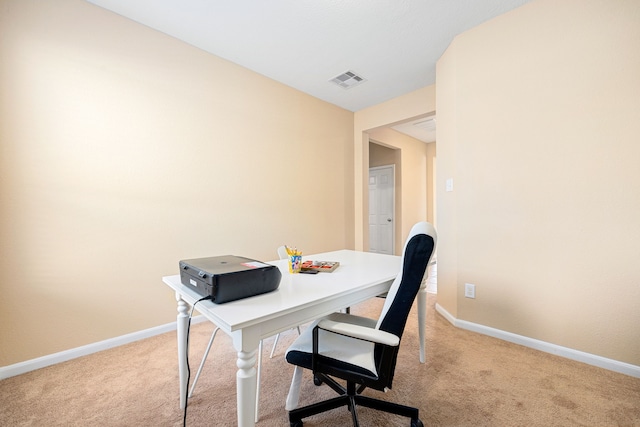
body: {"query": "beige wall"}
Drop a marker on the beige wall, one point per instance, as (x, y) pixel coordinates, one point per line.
(376, 119)
(538, 125)
(123, 151)
(380, 155)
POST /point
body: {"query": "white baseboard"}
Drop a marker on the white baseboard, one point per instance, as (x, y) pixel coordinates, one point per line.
(63, 356)
(580, 356)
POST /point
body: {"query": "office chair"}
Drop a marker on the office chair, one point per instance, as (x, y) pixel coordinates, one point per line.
(358, 350)
(422, 304)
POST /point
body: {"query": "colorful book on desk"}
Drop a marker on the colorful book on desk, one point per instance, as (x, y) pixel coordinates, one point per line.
(320, 266)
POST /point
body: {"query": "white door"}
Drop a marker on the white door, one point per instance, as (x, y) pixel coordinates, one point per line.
(381, 209)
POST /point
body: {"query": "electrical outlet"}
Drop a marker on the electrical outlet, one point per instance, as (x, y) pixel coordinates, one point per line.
(469, 290)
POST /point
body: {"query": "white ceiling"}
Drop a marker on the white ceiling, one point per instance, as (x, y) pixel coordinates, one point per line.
(422, 128)
(392, 44)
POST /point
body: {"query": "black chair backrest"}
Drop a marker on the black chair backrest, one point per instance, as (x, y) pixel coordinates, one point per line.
(417, 254)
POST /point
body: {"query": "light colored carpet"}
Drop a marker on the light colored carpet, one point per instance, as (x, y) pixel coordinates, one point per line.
(468, 380)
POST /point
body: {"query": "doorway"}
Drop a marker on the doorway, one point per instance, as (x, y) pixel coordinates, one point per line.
(382, 209)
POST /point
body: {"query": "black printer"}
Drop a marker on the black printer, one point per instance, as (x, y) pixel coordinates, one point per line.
(229, 277)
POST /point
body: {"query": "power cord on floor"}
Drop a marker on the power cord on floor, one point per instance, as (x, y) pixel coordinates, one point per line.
(186, 397)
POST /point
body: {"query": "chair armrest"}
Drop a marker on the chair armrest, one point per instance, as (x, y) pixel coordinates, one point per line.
(360, 332)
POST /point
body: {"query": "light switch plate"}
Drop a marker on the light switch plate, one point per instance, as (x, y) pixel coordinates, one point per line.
(449, 184)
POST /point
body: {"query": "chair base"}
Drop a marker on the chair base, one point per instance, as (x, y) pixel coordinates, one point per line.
(351, 399)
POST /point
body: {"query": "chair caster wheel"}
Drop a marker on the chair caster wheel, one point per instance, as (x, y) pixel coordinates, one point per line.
(416, 423)
(317, 381)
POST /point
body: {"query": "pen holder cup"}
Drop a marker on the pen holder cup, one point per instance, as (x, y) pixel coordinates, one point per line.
(295, 263)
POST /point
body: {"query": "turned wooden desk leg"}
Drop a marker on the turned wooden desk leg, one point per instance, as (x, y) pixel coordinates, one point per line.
(246, 388)
(182, 324)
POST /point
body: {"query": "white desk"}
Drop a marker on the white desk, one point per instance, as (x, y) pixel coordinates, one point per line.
(300, 298)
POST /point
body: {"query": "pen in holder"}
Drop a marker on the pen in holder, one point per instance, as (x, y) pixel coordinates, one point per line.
(295, 260)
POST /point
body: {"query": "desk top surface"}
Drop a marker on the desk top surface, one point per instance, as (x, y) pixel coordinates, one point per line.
(357, 272)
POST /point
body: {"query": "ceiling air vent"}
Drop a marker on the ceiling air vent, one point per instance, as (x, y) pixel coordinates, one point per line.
(347, 80)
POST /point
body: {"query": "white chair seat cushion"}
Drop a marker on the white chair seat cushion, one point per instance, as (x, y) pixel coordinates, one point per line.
(346, 349)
